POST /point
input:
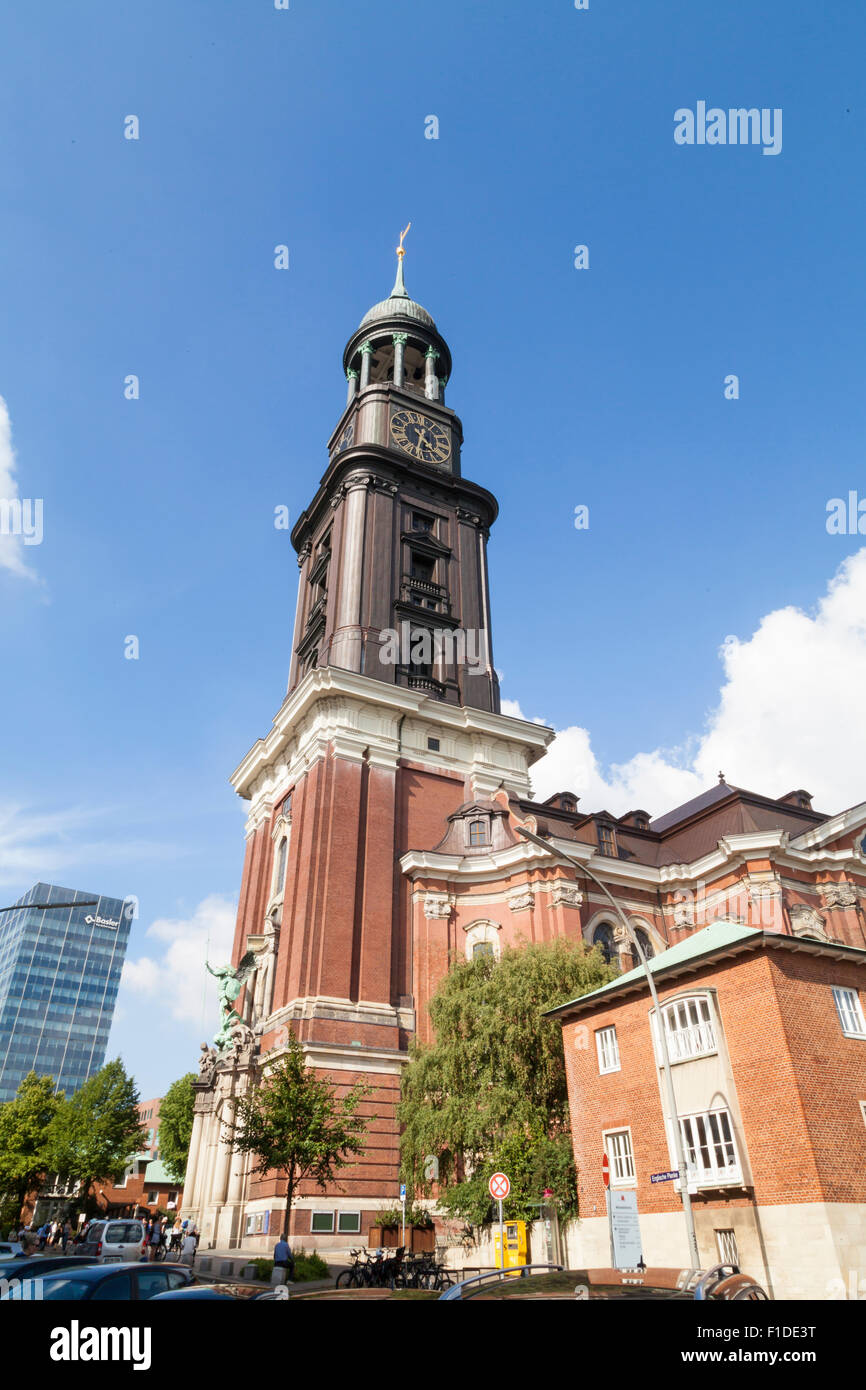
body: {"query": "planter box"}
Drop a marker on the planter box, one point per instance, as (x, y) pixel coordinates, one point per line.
(423, 1239)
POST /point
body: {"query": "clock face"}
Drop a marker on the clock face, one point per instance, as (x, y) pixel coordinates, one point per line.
(421, 437)
(346, 438)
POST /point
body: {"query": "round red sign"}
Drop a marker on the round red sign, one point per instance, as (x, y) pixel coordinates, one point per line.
(605, 1171)
(499, 1186)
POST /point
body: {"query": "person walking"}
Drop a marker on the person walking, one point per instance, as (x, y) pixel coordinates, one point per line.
(284, 1259)
(66, 1234)
(187, 1249)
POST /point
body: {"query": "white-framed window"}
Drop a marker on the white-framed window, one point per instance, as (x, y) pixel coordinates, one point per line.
(710, 1150)
(257, 1222)
(617, 1144)
(689, 1030)
(348, 1222)
(850, 1011)
(726, 1244)
(280, 861)
(482, 939)
(322, 1222)
(863, 1110)
(608, 1049)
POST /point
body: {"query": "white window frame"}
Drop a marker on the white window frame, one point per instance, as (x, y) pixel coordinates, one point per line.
(348, 1230)
(863, 1110)
(694, 1036)
(849, 1011)
(703, 1131)
(321, 1231)
(486, 932)
(620, 1156)
(607, 1048)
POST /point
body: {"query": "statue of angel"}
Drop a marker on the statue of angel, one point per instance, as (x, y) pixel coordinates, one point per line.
(231, 981)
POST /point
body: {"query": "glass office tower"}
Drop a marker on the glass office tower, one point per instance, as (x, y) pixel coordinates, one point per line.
(61, 953)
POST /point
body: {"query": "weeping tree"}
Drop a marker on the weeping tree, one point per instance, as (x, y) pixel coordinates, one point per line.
(491, 1092)
(295, 1124)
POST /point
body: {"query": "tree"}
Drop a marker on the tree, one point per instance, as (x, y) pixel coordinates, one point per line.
(295, 1124)
(24, 1124)
(94, 1134)
(491, 1091)
(175, 1126)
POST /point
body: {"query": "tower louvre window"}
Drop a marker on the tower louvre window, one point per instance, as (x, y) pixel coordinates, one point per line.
(421, 568)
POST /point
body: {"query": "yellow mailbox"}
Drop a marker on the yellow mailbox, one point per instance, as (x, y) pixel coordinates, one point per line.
(515, 1245)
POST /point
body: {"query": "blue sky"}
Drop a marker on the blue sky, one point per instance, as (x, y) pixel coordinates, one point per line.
(604, 387)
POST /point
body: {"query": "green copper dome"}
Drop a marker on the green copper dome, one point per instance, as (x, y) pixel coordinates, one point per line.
(398, 305)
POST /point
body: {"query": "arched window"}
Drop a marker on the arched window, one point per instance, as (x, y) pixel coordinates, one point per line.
(645, 943)
(282, 854)
(482, 939)
(603, 938)
(478, 833)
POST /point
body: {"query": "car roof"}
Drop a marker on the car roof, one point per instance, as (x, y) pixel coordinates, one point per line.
(95, 1272)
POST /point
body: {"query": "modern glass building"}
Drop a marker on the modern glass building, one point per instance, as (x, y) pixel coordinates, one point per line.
(61, 953)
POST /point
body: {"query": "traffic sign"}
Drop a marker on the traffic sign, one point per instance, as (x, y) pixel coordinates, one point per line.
(605, 1171)
(499, 1186)
(402, 1192)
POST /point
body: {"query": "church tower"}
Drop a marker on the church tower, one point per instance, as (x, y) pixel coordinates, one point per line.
(389, 729)
(395, 540)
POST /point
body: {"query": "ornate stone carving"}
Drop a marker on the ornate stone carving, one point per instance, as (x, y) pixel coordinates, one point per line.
(521, 899)
(684, 915)
(805, 921)
(838, 894)
(437, 905)
(207, 1065)
(566, 895)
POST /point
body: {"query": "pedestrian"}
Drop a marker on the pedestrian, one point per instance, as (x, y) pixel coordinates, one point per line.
(284, 1259)
(188, 1248)
(66, 1234)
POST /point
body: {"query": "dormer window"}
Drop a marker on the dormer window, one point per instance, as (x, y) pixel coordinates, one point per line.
(568, 803)
(478, 833)
(606, 840)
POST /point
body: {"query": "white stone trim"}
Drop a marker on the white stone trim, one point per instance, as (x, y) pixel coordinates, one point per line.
(361, 718)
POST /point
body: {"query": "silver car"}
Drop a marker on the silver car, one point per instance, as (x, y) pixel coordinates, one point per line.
(113, 1242)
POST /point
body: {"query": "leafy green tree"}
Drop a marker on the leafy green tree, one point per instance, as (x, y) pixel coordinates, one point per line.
(24, 1125)
(295, 1124)
(95, 1132)
(491, 1091)
(175, 1126)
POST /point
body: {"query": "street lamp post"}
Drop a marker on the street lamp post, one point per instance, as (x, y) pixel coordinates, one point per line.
(663, 1044)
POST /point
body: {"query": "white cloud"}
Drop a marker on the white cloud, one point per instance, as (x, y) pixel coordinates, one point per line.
(173, 979)
(46, 846)
(12, 548)
(790, 714)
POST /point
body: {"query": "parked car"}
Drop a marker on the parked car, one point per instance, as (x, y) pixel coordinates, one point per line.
(104, 1283)
(31, 1266)
(9, 1248)
(723, 1282)
(113, 1242)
